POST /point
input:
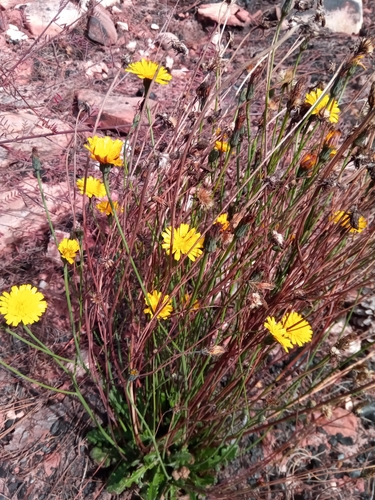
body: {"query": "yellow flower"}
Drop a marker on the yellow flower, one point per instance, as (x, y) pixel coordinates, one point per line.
(23, 304)
(278, 332)
(331, 112)
(94, 187)
(348, 220)
(146, 70)
(186, 301)
(105, 150)
(186, 241)
(223, 220)
(297, 329)
(153, 299)
(68, 249)
(222, 146)
(105, 207)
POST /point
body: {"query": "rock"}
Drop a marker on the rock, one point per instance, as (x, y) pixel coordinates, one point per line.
(105, 3)
(342, 16)
(14, 34)
(345, 16)
(101, 28)
(122, 26)
(96, 70)
(16, 127)
(118, 111)
(22, 215)
(8, 4)
(39, 14)
(231, 15)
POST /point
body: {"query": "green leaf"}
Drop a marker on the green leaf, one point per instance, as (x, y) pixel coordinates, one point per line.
(153, 487)
(117, 482)
(180, 458)
(101, 456)
(96, 437)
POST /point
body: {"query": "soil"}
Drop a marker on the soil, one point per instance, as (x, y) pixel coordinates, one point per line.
(44, 454)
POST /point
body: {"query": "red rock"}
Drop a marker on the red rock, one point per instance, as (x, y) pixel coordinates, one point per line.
(26, 123)
(221, 13)
(118, 111)
(101, 28)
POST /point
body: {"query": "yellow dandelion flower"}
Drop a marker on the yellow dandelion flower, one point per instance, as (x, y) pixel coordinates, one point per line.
(223, 220)
(186, 301)
(278, 332)
(68, 249)
(153, 299)
(105, 207)
(105, 150)
(349, 220)
(331, 112)
(297, 329)
(222, 146)
(145, 69)
(94, 187)
(23, 304)
(186, 241)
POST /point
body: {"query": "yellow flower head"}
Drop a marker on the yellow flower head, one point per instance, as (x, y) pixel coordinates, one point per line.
(153, 299)
(23, 304)
(297, 329)
(68, 249)
(105, 207)
(222, 146)
(145, 69)
(331, 112)
(105, 150)
(186, 241)
(94, 187)
(278, 332)
(186, 301)
(223, 220)
(348, 220)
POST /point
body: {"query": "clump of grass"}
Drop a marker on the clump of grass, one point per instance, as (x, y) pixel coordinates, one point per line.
(225, 247)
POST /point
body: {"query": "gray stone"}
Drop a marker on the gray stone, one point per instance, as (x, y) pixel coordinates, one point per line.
(345, 16)
(101, 28)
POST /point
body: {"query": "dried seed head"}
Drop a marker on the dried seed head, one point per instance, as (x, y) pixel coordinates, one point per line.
(371, 96)
(240, 119)
(215, 350)
(277, 239)
(254, 300)
(205, 197)
(296, 99)
(354, 218)
(285, 77)
(365, 46)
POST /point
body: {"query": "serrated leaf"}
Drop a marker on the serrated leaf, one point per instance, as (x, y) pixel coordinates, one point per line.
(180, 458)
(153, 487)
(117, 481)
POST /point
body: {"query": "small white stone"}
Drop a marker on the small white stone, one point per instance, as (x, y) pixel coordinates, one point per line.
(43, 284)
(15, 34)
(169, 62)
(122, 26)
(154, 26)
(131, 45)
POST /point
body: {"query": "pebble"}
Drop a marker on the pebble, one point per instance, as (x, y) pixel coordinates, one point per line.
(154, 26)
